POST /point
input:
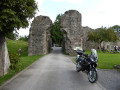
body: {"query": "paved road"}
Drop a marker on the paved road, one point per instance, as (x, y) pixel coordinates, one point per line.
(52, 72)
(110, 79)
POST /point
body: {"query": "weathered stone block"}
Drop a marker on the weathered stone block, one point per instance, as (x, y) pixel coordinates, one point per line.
(71, 26)
(40, 38)
(4, 56)
(87, 45)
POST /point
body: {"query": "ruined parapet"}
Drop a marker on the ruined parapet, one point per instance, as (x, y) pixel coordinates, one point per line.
(109, 45)
(71, 26)
(40, 39)
(87, 45)
(4, 56)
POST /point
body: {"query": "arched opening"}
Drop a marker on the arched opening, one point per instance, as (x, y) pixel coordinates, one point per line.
(56, 33)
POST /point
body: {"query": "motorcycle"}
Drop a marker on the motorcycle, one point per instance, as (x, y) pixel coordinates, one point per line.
(87, 63)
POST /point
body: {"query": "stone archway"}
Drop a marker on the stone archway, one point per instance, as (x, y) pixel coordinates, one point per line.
(74, 34)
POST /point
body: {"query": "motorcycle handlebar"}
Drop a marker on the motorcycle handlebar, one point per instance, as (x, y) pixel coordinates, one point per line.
(86, 55)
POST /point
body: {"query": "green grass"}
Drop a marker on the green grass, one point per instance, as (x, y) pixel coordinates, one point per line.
(25, 60)
(107, 60)
(13, 47)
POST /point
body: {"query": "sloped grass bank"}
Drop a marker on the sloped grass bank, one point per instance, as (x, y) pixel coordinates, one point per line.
(25, 60)
(13, 47)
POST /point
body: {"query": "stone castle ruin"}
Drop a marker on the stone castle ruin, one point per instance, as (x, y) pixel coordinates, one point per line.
(40, 38)
(71, 25)
(74, 34)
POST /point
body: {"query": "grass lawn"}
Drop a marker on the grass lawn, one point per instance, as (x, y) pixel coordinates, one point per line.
(107, 60)
(25, 60)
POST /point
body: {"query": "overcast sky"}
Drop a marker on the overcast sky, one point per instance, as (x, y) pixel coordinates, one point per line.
(95, 13)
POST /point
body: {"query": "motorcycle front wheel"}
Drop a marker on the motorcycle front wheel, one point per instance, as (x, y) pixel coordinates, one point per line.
(77, 68)
(92, 75)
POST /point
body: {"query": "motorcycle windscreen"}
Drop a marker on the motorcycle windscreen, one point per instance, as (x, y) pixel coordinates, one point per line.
(94, 53)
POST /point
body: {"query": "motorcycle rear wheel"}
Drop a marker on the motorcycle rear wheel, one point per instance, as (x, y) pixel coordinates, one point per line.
(92, 75)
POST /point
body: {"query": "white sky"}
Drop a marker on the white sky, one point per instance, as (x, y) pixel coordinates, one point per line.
(95, 13)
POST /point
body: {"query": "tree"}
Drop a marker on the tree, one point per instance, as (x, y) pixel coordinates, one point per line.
(15, 14)
(13, 35)
(24, 38)
(112, 36)
(56, 34)
(116, 28)
(102, 34)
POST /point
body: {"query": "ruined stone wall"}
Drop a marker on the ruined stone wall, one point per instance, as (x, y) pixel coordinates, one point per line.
(40, 39)
(4, 56)
(110, 45)
(74, 34)
(71, 26)
(88, 45)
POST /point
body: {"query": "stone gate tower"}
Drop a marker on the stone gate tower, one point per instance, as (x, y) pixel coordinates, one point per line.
(40, 39)
(73, 34)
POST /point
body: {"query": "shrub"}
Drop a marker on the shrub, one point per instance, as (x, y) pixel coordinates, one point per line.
(14, 59)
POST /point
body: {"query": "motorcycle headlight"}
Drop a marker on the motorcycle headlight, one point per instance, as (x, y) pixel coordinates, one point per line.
(92, 59)
(77, 56)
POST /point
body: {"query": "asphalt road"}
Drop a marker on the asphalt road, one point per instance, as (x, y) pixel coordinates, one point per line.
(110, 79)
(52, 72)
